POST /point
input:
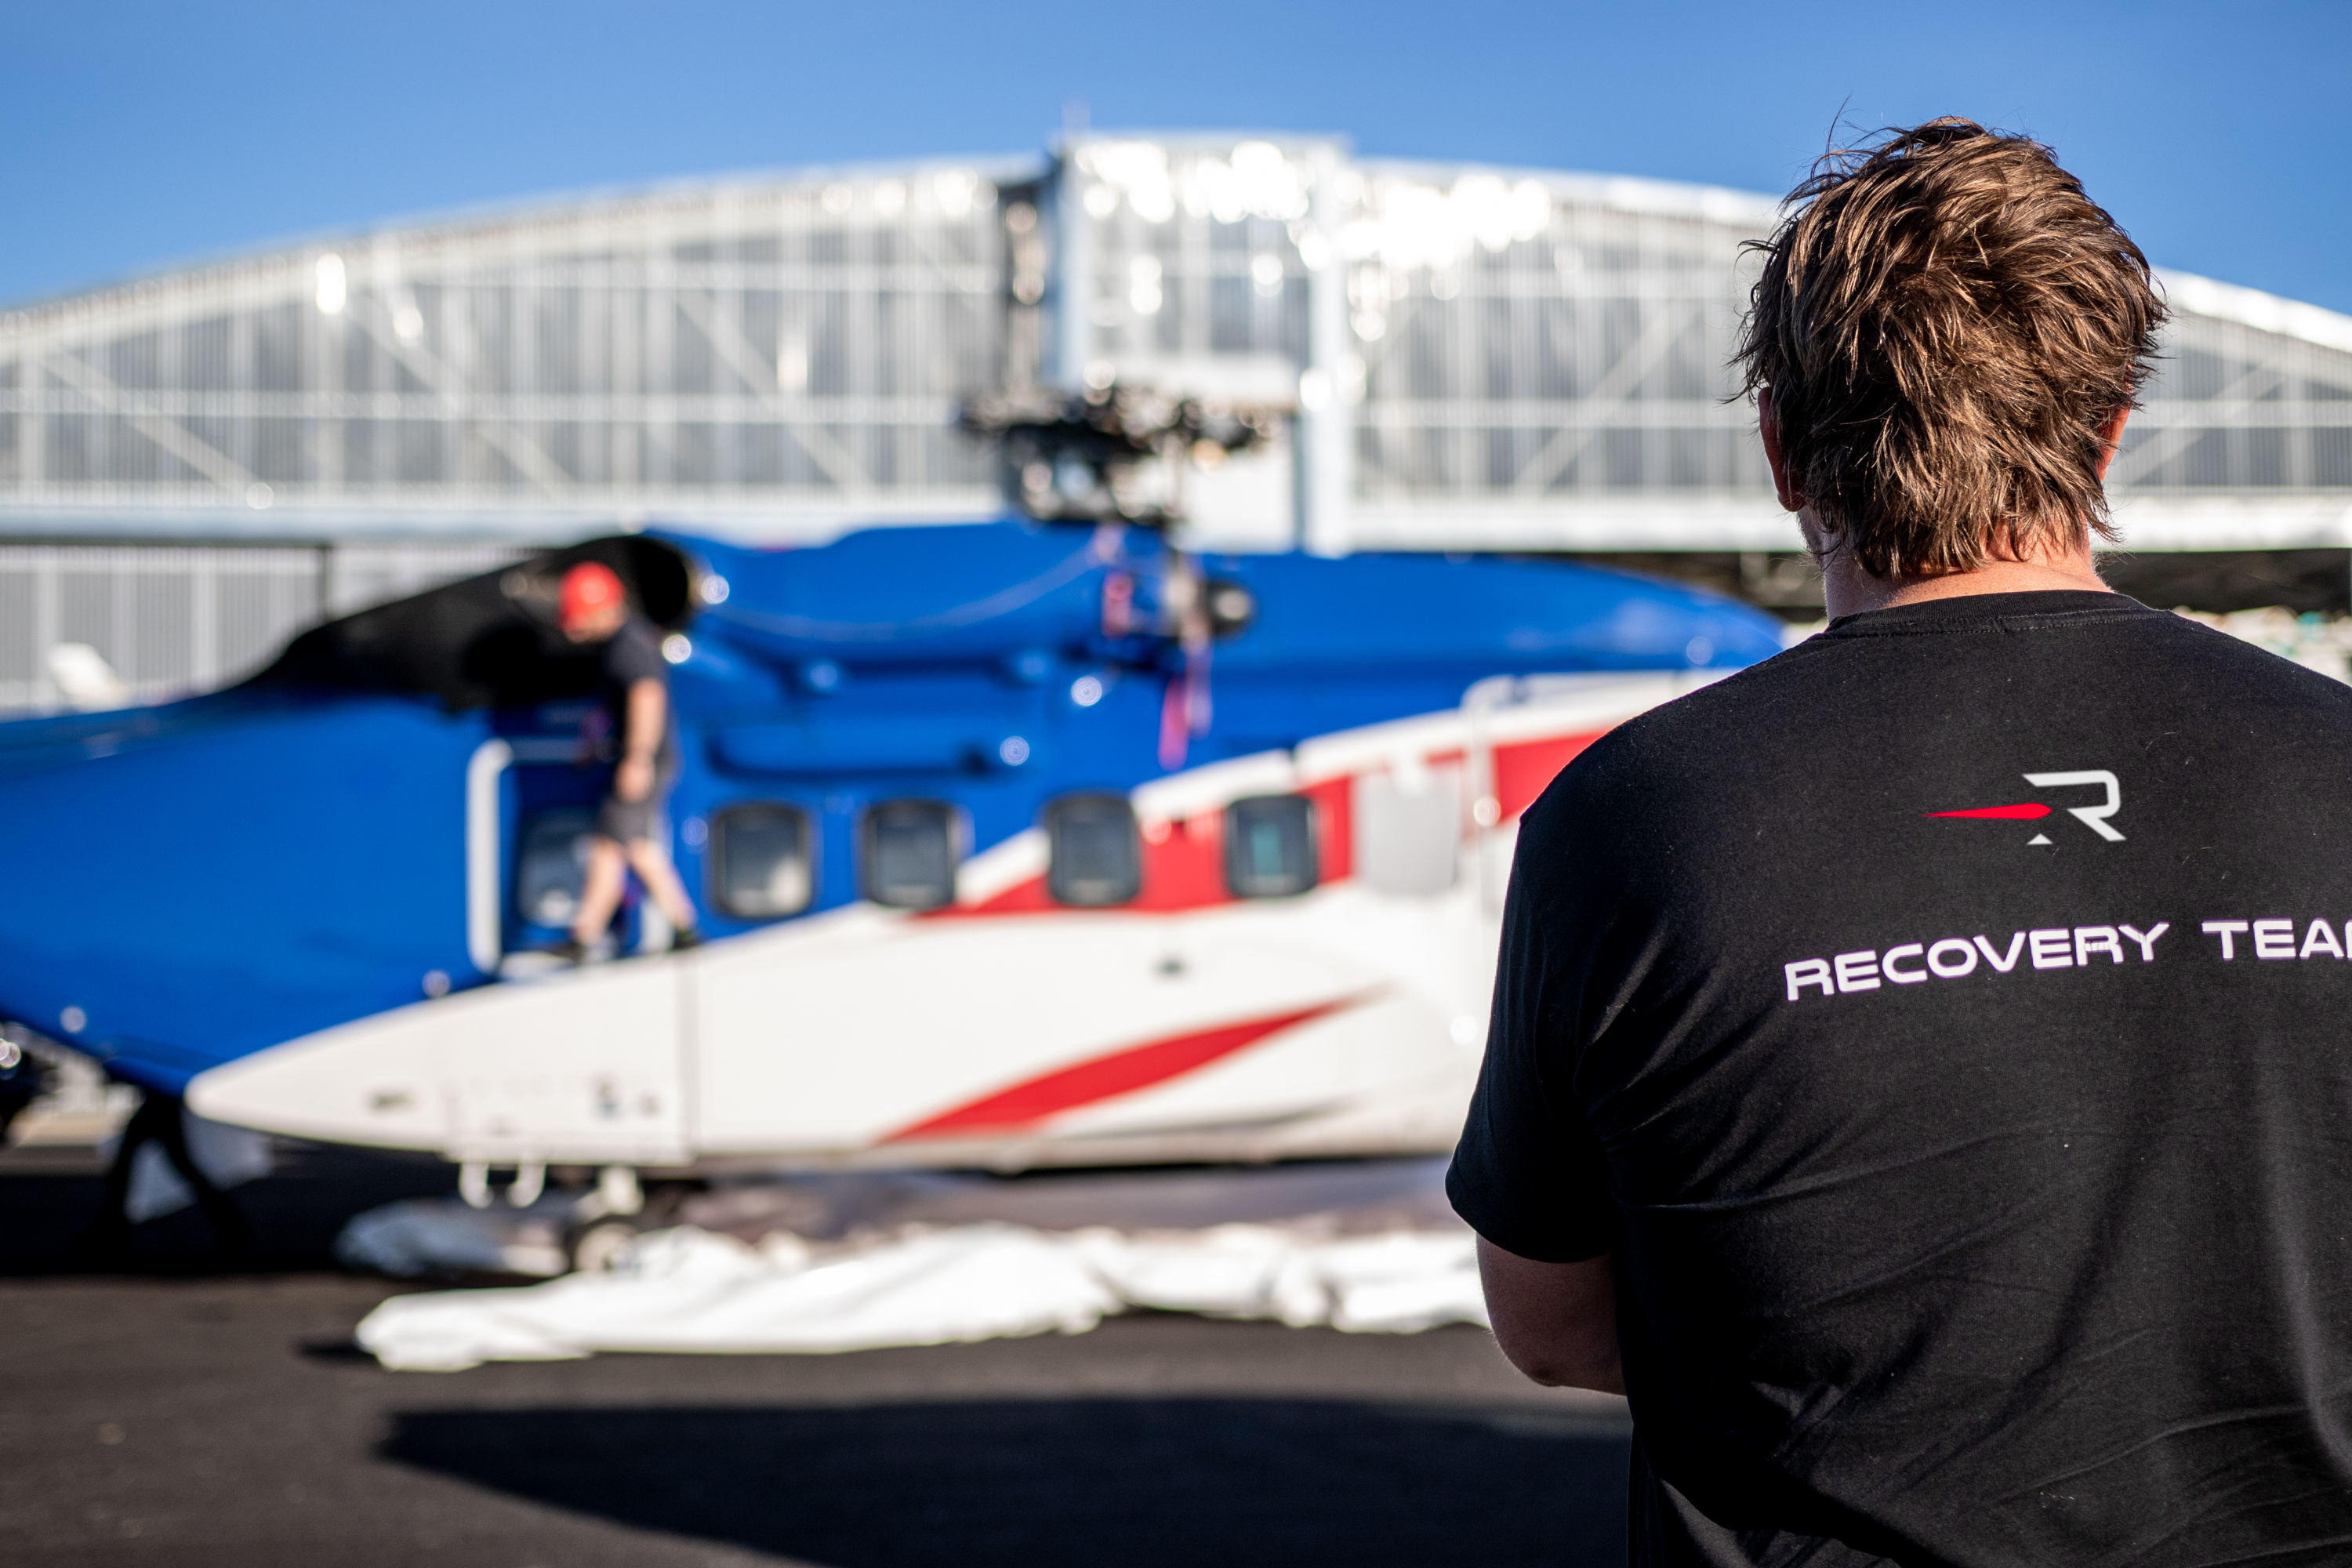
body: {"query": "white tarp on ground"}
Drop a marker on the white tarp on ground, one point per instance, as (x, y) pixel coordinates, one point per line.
(1387, 1262)
(695, 1291)
(420, 1238)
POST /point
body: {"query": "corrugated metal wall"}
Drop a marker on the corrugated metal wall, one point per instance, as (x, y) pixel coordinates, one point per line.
(171, 620)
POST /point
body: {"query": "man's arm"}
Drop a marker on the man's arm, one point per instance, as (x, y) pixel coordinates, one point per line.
(648, 716)
(1557, 1322)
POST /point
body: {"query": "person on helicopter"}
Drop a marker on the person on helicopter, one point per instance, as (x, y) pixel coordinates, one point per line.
(635, 727)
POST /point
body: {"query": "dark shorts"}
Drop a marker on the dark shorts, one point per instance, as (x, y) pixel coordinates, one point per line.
(632, 821)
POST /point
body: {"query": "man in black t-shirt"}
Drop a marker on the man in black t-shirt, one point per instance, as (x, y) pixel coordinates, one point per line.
(1921, 1068)
(636, 725)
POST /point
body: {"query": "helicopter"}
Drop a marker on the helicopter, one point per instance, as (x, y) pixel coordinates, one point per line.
(1034, 842)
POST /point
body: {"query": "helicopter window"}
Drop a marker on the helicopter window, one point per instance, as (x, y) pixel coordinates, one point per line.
(1409, 830)
(911, 854)
(552, 866)
(1270, 847)
(1094, 852)
(761, 861)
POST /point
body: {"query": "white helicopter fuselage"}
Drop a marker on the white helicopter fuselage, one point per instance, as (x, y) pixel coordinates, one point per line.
(1003, 1031)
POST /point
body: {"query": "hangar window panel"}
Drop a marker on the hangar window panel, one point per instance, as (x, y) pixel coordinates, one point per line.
(20, 655)
(564, 450)
(1504, 456)
(280, 452)
(910, 853)
(1270, 849)
(86, 602)
(1428, 341)
(1498, 345)
(1687, 458)
(1689, 373)
(2266, 457)
(1168, 325)
(130, 360)
(1555, 350)
(1620, 457)
(2195, 373)
(1291, 338)
(1094, 851)
(763, 455)
(63, 457)
(417, 453)
(2206, 462)
(694, 454)
(1565, 464)
(1429, 458)
(162, 612)
(278, 349)
(1229, 315)
(762, 861)
(2331, 457)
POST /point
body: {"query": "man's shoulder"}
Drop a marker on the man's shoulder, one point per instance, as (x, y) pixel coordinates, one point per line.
(1701, 727)
(2130, 657)
(634, 653)
(1650, 761)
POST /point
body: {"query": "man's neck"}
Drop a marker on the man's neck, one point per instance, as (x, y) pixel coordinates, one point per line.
(1848, 590)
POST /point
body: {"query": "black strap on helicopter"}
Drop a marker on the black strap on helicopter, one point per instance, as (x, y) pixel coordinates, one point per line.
(490, 641)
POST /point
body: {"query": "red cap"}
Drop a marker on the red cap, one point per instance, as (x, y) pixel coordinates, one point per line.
(588, 588)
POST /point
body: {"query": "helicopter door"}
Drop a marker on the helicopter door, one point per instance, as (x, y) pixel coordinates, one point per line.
(1408, 826)
(529, 811)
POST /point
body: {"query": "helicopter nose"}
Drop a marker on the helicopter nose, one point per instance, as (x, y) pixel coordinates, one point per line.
(582, 1065)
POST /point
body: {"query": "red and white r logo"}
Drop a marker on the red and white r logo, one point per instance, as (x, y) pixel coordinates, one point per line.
(2094, 817)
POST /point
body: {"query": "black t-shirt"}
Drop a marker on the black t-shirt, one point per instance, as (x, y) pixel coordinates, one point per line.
(630, 655)
(1948, 1023)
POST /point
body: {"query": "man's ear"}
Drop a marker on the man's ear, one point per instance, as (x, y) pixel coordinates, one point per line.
(2111, 437)
(1768, 424)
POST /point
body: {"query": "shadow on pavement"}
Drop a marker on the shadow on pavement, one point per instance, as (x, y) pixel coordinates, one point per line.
(1051, 1482)
(49, 1200)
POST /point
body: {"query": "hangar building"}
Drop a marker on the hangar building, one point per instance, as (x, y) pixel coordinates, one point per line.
(194, 463)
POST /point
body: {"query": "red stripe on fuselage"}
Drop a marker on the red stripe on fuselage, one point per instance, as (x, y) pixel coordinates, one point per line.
(2025, 813)
(1025, 1104)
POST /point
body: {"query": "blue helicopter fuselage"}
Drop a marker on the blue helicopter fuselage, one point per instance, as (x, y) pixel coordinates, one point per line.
(189, 883)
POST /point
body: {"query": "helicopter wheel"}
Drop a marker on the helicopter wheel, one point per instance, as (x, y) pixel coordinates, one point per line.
(593, 1245)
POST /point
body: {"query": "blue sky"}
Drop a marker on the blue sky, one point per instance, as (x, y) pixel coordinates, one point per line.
(141, 134)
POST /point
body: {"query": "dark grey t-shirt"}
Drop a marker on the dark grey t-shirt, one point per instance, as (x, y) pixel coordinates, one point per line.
(633, 654)
(1948, 1022)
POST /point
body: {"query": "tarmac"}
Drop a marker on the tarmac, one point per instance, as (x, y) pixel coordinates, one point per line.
(172, 1409)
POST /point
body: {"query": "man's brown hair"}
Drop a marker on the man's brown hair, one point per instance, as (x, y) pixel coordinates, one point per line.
(1945, 325)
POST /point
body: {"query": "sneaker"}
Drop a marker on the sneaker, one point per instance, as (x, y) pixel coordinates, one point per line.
(571, 950)
(680, 940)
